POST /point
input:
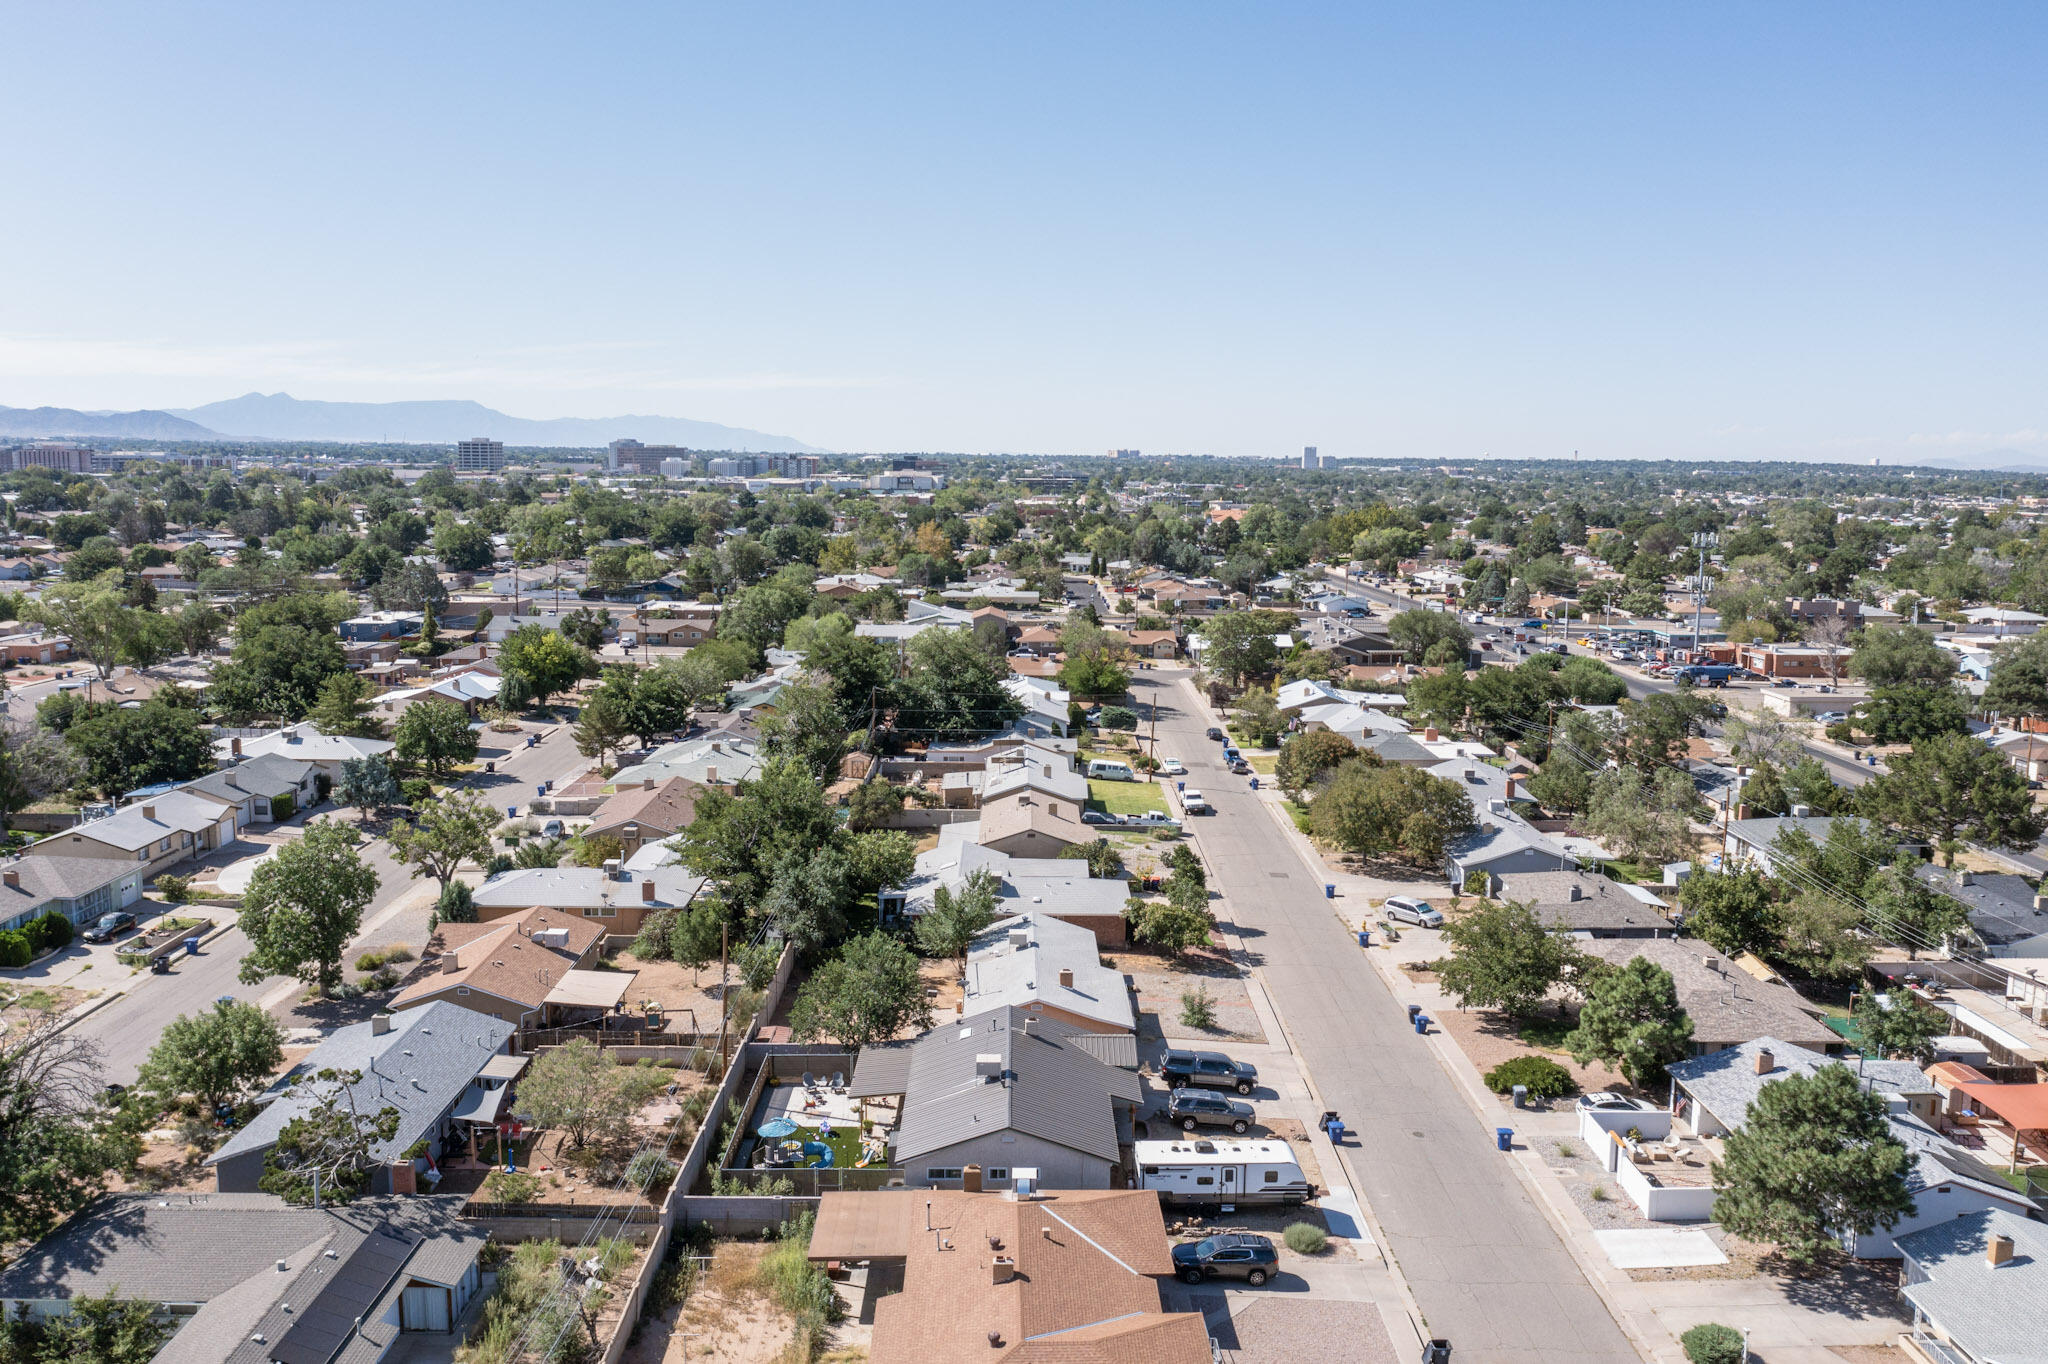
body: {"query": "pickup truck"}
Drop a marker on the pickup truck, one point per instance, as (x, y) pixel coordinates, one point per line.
(1191, 803)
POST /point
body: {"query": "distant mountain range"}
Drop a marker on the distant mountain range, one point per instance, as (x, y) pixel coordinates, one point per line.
(34, 422)
(279, 416)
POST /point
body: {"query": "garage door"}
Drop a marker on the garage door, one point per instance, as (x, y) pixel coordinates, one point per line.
(424, 1308)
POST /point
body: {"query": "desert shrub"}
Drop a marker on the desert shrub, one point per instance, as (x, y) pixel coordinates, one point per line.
(1544, 1078)
(651, 1170)
(399, 951)
(1305, 1238)
(1197, 1008)
(15, 949)
(1841, 732)
(176, 889)
(416, 791)
(1712, 1343)
(369, 961)
(50, 931)
(383, 978)
(500, 1187)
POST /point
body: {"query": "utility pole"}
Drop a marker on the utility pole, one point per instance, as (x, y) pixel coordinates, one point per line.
(1703, 541)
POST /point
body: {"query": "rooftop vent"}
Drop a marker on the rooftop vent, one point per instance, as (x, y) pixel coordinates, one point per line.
(1020, 938)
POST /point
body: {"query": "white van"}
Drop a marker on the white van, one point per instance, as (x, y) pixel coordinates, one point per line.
(629, 640)
(1236, 1173)
(1110, 770)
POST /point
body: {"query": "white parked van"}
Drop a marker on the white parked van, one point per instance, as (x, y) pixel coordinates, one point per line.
(1110, 770)
(1237, 1173)
(629, 640)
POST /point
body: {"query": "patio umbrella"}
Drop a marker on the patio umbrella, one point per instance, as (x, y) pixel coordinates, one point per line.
(776, 1127)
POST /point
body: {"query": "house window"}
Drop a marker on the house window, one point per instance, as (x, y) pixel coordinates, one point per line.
(998, 1172)
(1272, 1176)
(942, 1172)
(164, 846)
(599, 912)
(1204, 1179)
(184, 840)
(462, 989)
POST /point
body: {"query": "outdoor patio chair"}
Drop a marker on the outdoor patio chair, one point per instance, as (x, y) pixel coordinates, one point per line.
(838, 1080)
(808, 1082)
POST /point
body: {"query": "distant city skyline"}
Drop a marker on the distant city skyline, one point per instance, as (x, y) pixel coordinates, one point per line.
(1457, 233)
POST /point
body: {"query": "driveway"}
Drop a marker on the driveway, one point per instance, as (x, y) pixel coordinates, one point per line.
(1487, 1270)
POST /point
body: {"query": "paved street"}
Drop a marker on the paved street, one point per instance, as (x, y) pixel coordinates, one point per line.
(1487, 1270)
(127, 1028)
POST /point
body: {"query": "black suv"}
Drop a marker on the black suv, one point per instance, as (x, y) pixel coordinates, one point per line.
(1215, 733)
(1208, 1070)
(1191, 1108)
(1234, 1255)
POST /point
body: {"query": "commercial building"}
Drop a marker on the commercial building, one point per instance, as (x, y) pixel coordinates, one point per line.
(52, 454)
(479, 455)
(764, 466)
(632, 456)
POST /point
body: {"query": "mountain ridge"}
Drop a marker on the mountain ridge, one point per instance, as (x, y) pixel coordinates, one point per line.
(279, 416)
(143, 424)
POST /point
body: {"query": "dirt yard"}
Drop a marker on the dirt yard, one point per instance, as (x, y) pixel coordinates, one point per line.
(688, 997)
(1487, 1040)
(727, 1319)
(551, 1170)
(20, 1003)
(1160, 981)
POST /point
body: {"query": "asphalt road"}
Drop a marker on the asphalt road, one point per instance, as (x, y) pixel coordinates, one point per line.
(1486, 1268)
(126, 1029)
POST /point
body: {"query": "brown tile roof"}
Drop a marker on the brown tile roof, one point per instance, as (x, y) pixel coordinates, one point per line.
(667, 807)
(1151, 637)
(1084, 1287)
(501, 958)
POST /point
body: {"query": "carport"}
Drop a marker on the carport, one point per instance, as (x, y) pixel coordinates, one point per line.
(584, 995)
(866, 1226)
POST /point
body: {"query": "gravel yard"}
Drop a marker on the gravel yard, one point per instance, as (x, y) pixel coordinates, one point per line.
(1159, 985)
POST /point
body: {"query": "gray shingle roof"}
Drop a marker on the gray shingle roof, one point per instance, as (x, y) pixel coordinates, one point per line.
(2001, 905)
(1725, 1082)
(2000, 1313)
(267, 775)
(129, 828)
(420, 1067)
(586, 888)
(1602, 905)
(1051, 1088)
(45, 877)
(1000, 973)
(1726, 1003)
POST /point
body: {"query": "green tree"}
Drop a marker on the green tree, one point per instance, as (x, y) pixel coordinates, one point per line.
(808, 724)
(1813, 1159)
(1421, 632)
(696, 937)
(1632, 1020)
(155, 742)
(953, 922)
(1095, 672)
(545, 660)
(581, 1091)
(53, 1157)
(284, 650)
(866, 994)
(2019, 679)
(1891, 656)
(462, 547)
(303, 906)
(871, 804)
(217, 1056)
(1956, 787)
(1307, 757)
(444, 834)
(1655, 728)
(1240, 644)
(1258, 716)
(1175, 926)
(435, 734)
(343, 708)
(94, 616)
(1906, 910)
(661, 701)
(602, 726)
(1368, 809)
(1818, 935)
(1502, 957)
(1101, 855)
(1898, 1025)
(328, 1150)
(1644, 817)
(108, 1330)
(367, 784)
(1912, 712)
(951, 685)
(1734, 911)
(456, 905)
(1440, 698)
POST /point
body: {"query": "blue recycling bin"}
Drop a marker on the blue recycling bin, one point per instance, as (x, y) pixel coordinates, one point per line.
(511, 812)
(1364, 938)
(1329, 890)
(1255, 783)
(1504, 1138)
(1336, 1131)
(191, 947)
(540, 789)
(1422, 1025)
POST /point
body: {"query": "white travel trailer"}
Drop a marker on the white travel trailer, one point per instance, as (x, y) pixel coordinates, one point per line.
(1233, 1173)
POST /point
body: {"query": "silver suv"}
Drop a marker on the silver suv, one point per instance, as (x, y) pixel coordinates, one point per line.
(1192, 1108)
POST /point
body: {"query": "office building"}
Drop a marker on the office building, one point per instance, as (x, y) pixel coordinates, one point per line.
(1123, 454)
(630, 456)
(675, 468)
(479, 455)
(52, 454)
(764, 466)
(1309, 458)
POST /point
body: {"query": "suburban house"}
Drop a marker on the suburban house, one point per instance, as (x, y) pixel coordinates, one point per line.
(261, 790)
(2005, 911)
(1046, 966)
(155, 833)
(425, 1062)
(1073, 1276)
(382, 625)
(720, 762)
(1028, 825)
(506, 968)
(651, 812)
(1728, 1003)
(1050, 777)
(247, 1278)
(619, 899)
(1501, 845)
(1045, 711)
(1976, 1283)
(1155, 643)
(1712, 1094)
(983, 752)
(1588, 905)
(79, 888)
(1754, 840)
(469, 690)
(1056, 887)
(1004, 1091)
(302, 742)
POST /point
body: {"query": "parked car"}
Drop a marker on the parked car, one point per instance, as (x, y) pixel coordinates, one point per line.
(1233, 1255)
(1240, 767)
(1829, 717)
(1192, 1108)
(1784, 682)
(553, 828)
(1607, 1102)
(1192, 803)
(1172, 767)
(1208, 1069)
(1216, 734)
(1100, 817)
(1406, 909)
(110, 926)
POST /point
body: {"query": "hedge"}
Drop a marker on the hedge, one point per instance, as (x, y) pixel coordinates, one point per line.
(1712, 1343)
(1544, 1078)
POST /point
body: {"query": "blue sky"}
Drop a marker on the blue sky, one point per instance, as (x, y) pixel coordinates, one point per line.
(1809, 231)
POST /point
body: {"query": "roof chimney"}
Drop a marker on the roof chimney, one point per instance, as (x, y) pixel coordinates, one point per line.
(1966, 878)
(1575, 893)
(149, 812)
(711, 774)
(379, 1024)
(1765, 1062)
(1998, 1250)
(647, 892)
(1429, 735)
(12, 877)
(235, 747)
(1020, 938)
(1066, 978)
(1003, 1269)
(1511, 786)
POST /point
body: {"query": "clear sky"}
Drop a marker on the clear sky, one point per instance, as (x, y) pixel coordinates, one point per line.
(1766, 230)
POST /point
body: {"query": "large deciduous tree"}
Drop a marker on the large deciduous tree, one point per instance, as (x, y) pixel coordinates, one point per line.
(436, 735)
(580, 1091)
(328, 1150)
(445, 833)
(866, 994)
(217, 1056)
(1502, 957)
(1376, 810)
(545, 661)
(303, 906)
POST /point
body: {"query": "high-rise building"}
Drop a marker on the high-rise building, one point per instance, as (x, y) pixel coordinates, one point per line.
(52, 454)
(632, 456)
(764, 466)
(1309, 458)
(1123, 454)
(479, 455)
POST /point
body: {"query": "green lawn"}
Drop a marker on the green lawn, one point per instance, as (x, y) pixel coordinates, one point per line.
(1124, 797)
(1263, 763)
